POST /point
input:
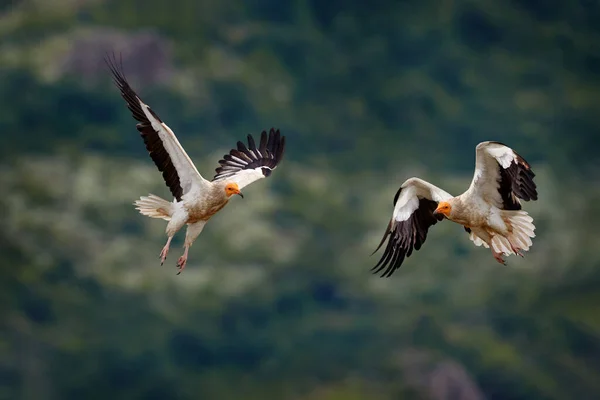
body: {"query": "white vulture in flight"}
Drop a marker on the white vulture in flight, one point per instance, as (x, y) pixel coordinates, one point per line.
(196, 199)
(489, 210)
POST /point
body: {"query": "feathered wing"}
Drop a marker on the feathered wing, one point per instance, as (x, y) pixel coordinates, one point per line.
(178, 171)
(247, 164)
(414, 204)
(502, 177)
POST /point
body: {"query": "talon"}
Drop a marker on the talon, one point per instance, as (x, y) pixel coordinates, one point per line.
(182, 260)
(181, 264)
(163, 255)
(517, 250)
(164, 252)
(498, 257)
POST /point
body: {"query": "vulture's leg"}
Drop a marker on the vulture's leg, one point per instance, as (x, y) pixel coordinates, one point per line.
(182, 260)
(193, 230)
(165, 250)
(498, 257)
(178, 220)
(516, 249)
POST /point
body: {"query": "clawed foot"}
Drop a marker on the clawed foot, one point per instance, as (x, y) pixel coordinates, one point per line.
(517, 251)
(498, 257)
(181, 263)
(163, 254)
(165, 251)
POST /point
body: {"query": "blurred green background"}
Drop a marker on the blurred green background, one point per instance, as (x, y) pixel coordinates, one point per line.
(277, 301)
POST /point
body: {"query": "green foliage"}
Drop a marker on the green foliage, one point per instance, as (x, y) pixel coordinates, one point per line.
(278, 301)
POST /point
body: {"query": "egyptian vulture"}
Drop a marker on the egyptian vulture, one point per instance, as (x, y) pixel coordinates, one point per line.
(196, 199)
(489, 210)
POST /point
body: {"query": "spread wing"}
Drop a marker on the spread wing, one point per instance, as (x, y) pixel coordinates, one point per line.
(502, 177)
(414, 204)
(247, 164)
(178, 171)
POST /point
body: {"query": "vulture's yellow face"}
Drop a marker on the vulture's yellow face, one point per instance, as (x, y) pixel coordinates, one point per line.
(443, 208)
(231, 189)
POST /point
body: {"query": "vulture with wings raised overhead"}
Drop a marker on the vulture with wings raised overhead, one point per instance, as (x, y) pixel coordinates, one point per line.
(489, 210)
(196, 199)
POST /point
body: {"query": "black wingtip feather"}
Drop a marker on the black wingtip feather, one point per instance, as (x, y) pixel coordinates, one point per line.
(280, 149)
(271, 140)
(263, 142)
(404, 237)
(516, 182)
(154, 145)
(267, 156)
(242, 147)
(251, 144)
(385, 235)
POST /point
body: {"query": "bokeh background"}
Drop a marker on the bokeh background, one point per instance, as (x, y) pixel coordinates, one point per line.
(277, 301)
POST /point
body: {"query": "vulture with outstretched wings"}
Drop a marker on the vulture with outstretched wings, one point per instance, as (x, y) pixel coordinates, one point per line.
(196, 199)
(490, 209)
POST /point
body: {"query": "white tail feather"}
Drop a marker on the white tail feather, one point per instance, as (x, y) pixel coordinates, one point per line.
(501, 245)
(521, 231)
(477, 241)
(154, 207)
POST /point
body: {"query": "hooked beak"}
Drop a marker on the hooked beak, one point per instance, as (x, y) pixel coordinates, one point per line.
(240, 194)
(438, 215)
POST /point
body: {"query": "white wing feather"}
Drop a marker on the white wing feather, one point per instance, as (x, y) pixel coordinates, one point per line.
(485, 183)
(411, 191)
(247, 176)
(249, 163)
(186, 170)
(407, 229)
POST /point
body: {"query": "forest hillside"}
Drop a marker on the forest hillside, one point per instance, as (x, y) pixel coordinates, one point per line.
(277, 300)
